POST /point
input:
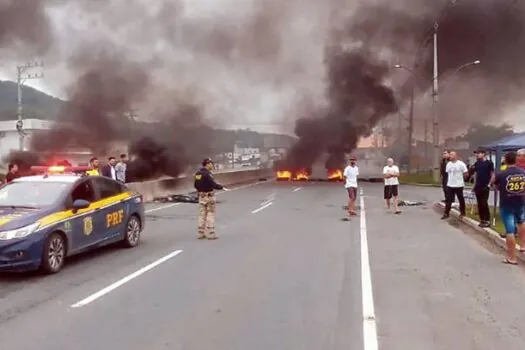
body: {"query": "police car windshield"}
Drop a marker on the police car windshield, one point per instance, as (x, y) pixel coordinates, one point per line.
(31, 194)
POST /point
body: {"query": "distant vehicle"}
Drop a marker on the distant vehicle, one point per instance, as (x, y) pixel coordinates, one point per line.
(46, 218)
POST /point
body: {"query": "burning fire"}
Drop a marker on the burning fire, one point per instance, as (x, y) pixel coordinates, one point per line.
(335, 175)
(301, 175)
(284, 175)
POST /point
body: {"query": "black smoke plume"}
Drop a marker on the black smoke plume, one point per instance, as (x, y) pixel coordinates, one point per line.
(357, 99)
(492, 31)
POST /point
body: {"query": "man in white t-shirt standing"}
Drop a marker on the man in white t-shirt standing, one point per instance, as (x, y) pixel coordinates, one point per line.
(456, 171)
(350, 174)
(391, 175)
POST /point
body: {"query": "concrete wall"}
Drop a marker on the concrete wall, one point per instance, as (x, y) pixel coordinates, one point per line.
(184, 185)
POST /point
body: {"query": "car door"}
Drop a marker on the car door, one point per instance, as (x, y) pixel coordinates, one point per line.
(86, 223)
(114, 209)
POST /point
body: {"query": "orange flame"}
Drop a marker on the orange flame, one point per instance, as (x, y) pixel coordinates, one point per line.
(301, 175)
(284, 174)
(335, 175)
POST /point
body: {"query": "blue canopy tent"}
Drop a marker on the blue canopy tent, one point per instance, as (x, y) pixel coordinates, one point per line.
(497, 148)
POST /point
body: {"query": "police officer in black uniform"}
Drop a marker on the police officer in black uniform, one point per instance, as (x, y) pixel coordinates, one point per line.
(205, 185)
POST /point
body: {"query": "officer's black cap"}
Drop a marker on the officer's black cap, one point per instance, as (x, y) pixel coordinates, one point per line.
(207, 161)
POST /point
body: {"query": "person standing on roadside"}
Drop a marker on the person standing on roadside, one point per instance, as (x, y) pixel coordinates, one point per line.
(108, 170)
(520, 160)
(120, 169)
(456, 172)
(443, 171)
(350, 175)
(511, 186)
(484, 171)
(12, 173)
(391, 191)
(205, 185)
(94, 164)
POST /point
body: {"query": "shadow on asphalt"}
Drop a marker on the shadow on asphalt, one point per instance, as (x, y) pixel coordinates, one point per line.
(72, 263)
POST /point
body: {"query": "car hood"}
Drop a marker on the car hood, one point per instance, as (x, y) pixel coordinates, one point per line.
(12, 218)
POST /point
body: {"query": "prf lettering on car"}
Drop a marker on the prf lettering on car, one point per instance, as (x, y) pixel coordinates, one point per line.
(115, 218)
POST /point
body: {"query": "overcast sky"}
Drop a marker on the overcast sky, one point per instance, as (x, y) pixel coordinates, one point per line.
(257, 94)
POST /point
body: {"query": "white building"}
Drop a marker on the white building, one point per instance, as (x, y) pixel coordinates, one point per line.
(10, 137)
(10, 140)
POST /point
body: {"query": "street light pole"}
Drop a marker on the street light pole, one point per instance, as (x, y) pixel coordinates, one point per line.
(435, 114)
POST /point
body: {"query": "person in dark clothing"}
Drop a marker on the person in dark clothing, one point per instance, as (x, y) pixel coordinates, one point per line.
(108, 170)
(205, 185)
(12, 173)
(483, 170)
(444, 174)
(511, 186)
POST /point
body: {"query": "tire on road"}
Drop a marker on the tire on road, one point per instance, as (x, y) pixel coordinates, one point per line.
(132, 235)
(54, 253)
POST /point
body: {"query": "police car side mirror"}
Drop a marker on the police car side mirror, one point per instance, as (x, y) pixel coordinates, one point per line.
(80, 204)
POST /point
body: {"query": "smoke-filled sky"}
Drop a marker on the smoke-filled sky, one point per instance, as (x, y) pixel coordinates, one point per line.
(263, 63)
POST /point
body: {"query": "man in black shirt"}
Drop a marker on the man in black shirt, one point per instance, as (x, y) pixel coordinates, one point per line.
(484, 170)
(205, 185)
(12, 173)
(444, 174)
(511, 186)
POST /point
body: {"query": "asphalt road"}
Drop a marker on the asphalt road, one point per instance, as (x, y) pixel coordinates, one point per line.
(285, 275)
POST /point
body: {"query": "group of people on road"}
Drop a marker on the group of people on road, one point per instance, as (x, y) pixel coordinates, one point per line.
(509, 182)
(113, 169)
(391, 185)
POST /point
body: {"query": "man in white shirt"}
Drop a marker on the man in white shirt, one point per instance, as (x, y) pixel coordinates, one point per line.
(391, 175)
(456, 171)
(350, 175)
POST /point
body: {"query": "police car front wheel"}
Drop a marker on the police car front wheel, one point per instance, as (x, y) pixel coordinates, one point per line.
(54, 253)
(133, 229)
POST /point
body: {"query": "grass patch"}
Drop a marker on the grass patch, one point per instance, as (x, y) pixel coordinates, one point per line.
(473, 214)
(423, 178)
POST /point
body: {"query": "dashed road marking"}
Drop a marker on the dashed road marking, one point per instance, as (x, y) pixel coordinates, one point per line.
(124, 280)
(262, 208)
(175, 204)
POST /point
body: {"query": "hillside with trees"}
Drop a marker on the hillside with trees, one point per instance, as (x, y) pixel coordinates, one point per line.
(36, 103)
(40, 105)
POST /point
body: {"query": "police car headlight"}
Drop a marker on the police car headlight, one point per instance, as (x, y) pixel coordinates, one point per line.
(19, 232)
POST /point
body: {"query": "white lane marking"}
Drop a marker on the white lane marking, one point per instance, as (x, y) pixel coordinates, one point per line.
(297, 189)
(262, 208)
(124, 280)
(370, 341)
(162, 207)
(242, 187)
(174, 204)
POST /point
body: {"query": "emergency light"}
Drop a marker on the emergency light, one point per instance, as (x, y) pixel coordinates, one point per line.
(58, 169)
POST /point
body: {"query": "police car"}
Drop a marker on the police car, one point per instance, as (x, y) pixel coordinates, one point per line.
(46, 218)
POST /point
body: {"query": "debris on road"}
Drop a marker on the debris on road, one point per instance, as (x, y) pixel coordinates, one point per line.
(177, 198)
(403, 203)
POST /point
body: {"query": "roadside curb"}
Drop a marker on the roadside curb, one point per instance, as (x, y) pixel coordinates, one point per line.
(473, 224)
(420, 185)
(427, 185)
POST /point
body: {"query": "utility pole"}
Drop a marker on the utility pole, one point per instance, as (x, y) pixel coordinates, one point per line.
(411, 126)
(426, 144)
(20, 79)
(435, 116)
